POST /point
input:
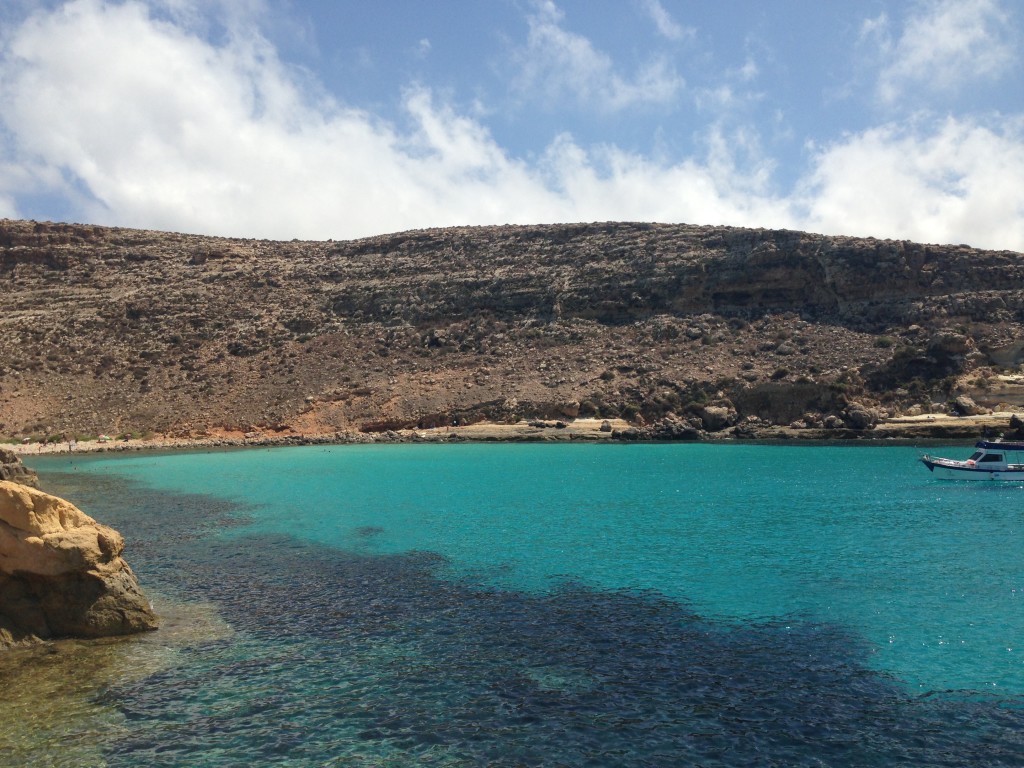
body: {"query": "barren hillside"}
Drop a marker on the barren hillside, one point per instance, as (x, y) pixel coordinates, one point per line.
(108, 330)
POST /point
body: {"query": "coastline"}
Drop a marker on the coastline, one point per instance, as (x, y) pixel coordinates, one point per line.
(907, 429)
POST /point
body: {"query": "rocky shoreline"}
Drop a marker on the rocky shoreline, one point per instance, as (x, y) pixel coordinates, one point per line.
(932, 427)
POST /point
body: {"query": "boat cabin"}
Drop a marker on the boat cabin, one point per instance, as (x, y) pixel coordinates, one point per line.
(994, 456)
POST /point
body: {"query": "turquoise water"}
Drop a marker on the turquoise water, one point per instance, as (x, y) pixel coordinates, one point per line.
(505, 604)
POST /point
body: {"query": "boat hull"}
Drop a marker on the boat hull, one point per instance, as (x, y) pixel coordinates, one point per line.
(943, 472)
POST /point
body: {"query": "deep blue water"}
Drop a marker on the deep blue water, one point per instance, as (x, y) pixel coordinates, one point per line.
(564, 605)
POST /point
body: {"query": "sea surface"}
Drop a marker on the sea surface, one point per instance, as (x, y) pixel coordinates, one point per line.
(540, 605)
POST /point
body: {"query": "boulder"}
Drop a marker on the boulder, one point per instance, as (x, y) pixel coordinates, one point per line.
(570, 410)
(950, 343)
(965, 406)
(61, 572)
(833, 422)
(954, 351)
(861, 417)
(715, 418)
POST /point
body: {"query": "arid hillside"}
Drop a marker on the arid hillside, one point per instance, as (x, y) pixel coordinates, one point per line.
(113, 331)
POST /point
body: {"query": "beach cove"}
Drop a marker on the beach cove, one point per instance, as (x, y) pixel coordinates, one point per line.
(566, 604)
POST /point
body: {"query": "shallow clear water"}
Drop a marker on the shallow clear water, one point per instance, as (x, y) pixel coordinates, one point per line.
(566, 605)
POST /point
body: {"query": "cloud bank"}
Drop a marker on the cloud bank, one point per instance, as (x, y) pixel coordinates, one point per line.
(136, 118)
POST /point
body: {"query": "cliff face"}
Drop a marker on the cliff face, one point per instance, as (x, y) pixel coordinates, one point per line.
(108, 330)
(61, 572)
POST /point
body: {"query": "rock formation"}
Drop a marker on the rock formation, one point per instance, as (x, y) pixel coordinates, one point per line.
(61, 572)
(13, 470)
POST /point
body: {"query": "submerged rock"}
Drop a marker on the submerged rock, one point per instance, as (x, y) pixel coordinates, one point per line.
(61, 572)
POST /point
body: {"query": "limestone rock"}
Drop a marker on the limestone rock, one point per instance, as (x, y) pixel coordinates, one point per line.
(61, 572)
(666, 429)
(12, 469)
(950, 343)
(570, 410)
(717, 417)
(813, 420)
(861, 417)
(965, 406)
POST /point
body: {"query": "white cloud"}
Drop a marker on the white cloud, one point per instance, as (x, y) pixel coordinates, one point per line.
(667, 26)
(749, 71)
(609, 184)
(159, 128)
(563, 66)
(945, 46)
(167, 131)
(958, 182)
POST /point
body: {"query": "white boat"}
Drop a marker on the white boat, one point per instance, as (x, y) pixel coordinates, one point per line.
(991, 460)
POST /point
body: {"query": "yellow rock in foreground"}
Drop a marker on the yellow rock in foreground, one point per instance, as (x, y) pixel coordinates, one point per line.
(61, 572)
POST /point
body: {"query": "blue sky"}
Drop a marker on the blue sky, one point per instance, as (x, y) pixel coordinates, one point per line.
(318, 119)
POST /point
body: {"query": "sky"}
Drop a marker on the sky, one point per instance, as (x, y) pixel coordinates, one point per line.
(339, 119)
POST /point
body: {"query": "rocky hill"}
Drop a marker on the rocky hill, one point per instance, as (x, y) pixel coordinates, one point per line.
(106, 330)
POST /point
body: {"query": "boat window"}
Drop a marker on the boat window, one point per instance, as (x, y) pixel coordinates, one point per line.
(976, 455)
(992, 457)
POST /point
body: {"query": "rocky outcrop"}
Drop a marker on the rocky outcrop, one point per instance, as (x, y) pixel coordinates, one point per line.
(965, 406)
(858, 416)
(13, 470)
(670, 429)
(61, 572)
(715, 418)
